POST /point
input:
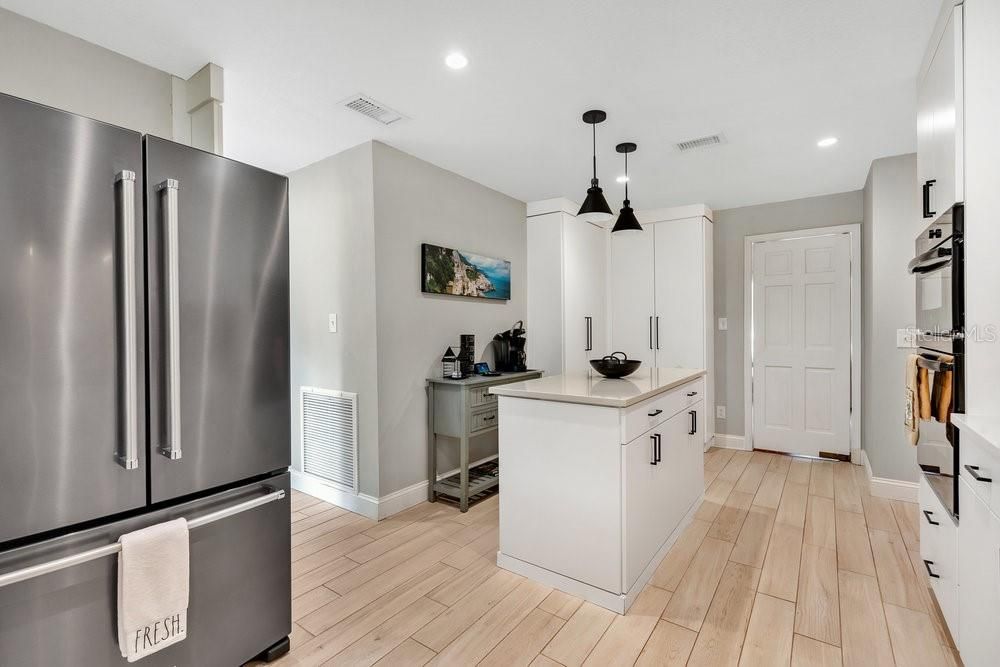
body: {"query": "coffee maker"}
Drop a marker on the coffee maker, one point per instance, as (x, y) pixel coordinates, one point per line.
(510, 356)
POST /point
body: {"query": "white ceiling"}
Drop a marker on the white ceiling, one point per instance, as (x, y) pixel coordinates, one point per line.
(773, 75)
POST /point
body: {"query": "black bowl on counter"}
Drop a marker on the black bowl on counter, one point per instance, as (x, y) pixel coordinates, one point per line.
(615, 366)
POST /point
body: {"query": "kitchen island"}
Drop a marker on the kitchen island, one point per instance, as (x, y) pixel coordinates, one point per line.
(599, 476)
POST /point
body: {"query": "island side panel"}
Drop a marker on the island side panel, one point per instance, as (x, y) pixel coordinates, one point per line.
(560, 504)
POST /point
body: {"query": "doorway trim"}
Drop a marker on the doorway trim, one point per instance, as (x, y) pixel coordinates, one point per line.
(854, 234)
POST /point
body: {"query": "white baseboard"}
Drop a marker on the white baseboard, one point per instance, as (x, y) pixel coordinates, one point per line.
(318, 488)
(397, 501)
(730, 441)
(893, 489)
(361, 503)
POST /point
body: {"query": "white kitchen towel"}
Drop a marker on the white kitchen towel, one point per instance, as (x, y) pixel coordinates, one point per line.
(153, 585)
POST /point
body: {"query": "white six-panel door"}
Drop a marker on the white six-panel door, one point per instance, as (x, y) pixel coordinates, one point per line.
(801, 344)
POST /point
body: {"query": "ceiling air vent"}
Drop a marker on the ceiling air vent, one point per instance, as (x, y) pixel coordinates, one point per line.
(701, 142)
(377, 111)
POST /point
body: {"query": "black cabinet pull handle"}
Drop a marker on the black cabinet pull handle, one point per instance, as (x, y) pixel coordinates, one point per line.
(974, 471)
(652, 441)
(694, 422)
(657, 332)
(928, 213)
(655, 412)
(930, 573)
(692, 393)
(659, 447)
(927, 515)
(651, 332)
(589, 322)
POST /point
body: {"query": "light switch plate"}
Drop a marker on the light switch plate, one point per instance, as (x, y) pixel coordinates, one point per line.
(723, 324)
(906, 338)
(332, 322)
(720, 411)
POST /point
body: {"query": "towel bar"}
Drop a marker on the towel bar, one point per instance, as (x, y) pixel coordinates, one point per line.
(935, 365)
(111, 549)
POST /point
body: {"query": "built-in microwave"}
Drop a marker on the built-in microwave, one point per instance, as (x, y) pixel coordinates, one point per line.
(939, 272)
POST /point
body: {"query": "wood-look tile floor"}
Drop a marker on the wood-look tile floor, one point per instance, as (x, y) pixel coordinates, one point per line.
(787, 561)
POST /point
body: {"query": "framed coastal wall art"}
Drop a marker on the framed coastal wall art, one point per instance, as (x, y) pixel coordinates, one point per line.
(460, 273)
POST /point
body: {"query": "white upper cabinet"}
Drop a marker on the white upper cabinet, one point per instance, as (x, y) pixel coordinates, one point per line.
(567, 304)
(632, 306)
(679, 327)
(940, 136)
(584, 253)
(661, 293)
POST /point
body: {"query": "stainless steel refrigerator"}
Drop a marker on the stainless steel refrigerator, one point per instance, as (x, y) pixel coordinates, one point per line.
(144, 375)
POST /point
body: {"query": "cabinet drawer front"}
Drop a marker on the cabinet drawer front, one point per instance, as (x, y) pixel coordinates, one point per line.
(639, 418)
(939, 551)
(481, 396)
(483, 419)
(979, 459)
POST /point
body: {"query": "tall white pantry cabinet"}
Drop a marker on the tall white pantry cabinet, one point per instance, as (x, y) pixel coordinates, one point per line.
(567, 290)
(661, 293)
(647, 294)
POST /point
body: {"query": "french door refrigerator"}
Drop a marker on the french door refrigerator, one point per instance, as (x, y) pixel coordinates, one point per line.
(144, 376)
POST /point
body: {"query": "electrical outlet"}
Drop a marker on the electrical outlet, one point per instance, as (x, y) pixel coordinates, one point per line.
(332, 322)
(720, 411)
(723, 324)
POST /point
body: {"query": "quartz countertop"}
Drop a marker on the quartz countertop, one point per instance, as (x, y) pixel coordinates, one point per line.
(987, 428)
(595, 389)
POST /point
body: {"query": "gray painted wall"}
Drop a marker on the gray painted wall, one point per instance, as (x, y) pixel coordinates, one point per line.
(332, 260)
(357, 221)
(730, 228)
(45, 65)
(891, 222)
(417, 202)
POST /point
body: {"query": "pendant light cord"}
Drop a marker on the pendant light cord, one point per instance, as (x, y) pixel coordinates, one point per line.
(626, 177)
(594, 128)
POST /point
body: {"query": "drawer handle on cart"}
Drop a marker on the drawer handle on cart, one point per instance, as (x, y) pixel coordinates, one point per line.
(927, 515)
(655, 412)
(930, 573)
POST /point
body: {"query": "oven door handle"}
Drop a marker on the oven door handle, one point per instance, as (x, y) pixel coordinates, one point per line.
(932, 260)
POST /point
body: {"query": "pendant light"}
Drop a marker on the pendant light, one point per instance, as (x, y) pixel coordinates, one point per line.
(627, 222)
(595, 207)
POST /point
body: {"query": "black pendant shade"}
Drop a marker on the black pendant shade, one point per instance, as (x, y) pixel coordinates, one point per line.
(595, 207)
(627, 222)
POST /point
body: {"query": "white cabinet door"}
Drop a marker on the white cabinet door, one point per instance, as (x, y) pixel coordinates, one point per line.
(545, 292)
(940, 140)
(679, 327)
(979, 580)
(632, 306)
(583, 284)
(644, 487)
(694, 464)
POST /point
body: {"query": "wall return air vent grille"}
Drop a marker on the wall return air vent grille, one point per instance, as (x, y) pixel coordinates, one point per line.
(701, 142)
(377, 111)
(330, 436)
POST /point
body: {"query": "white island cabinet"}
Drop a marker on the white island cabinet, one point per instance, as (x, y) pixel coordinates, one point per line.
(598, 477)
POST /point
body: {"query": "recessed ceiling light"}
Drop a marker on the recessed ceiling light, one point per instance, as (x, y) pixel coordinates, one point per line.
(456, 60)
(622, 179)
(826, 143)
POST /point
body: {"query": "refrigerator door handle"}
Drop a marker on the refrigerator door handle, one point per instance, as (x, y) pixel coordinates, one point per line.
(168, 203)
(127, 454)
(8, 578)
